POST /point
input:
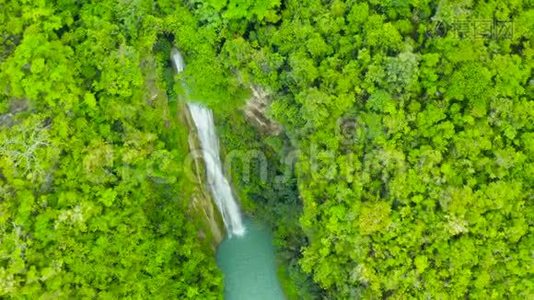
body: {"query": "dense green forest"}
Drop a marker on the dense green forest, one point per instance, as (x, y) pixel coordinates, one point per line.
(405, 167)
(93, 202)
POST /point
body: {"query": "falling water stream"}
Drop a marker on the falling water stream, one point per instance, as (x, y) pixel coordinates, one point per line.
(219, 186)
(246, 256)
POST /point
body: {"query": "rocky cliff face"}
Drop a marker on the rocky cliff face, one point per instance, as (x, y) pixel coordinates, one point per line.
(202, 206)
(256, 112)
(202, 210)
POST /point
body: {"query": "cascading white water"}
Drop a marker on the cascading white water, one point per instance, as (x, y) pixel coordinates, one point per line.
(219, 186)
(178, 60)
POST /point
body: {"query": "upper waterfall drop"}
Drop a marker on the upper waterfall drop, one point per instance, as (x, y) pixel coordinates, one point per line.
(219, 185)
(178, 60)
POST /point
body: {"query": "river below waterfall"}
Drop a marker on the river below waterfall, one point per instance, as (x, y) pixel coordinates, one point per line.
(249, 265)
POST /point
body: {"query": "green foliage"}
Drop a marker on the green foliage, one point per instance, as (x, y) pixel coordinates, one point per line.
(267, 190)
(415, 160)
(93, 201)
(412, 146)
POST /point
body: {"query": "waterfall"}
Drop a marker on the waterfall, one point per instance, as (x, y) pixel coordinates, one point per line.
(177, 60)
(218, 184)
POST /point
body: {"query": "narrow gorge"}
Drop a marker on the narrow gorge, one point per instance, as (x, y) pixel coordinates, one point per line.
(246, 255)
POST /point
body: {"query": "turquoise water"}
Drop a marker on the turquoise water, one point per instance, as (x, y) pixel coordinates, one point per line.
(249, 266)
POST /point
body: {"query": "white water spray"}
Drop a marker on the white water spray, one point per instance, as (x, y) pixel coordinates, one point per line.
(220, 188)
(177, 60)
(219, 185)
